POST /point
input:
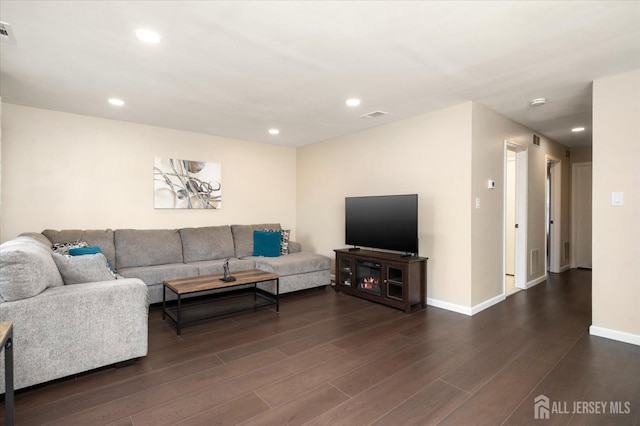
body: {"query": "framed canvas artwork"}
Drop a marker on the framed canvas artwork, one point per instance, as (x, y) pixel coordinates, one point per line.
(186, 184)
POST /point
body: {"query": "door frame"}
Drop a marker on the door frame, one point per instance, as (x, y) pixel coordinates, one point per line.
(520, 256)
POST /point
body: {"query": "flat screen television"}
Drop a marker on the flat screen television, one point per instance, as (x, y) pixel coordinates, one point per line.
(388, 222)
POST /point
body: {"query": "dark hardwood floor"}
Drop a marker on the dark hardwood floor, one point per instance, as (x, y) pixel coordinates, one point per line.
(330, 359)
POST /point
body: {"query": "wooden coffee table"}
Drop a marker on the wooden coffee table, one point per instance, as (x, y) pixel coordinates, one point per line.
(218, 304)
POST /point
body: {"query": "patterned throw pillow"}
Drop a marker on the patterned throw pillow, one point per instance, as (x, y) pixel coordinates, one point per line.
(63, 248)
(284, 241)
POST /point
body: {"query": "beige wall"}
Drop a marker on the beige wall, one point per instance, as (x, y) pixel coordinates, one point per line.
(490, 130)
(65, 171)
(616, 230)
(581, 154)
(429, 155)
(446, 157)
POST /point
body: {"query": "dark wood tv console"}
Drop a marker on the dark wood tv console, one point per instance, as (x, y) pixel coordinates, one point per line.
(387, 278)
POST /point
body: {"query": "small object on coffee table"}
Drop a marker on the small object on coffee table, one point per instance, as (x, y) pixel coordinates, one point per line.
(227, 278)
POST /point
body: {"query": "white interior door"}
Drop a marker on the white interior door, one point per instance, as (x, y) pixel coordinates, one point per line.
(510, 214)
(582, 190)
(515, 212)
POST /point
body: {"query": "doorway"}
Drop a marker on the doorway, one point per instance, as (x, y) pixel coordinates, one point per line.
(515, 218)
(552, 213)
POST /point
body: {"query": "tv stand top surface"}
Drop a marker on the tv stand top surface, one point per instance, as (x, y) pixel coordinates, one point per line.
(380, 254)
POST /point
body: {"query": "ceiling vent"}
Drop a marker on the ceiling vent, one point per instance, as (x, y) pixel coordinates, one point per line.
(374, 114)
(6, 33)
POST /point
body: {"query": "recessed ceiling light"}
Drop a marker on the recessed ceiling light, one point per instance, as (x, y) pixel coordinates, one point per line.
(274, 131)
(353, 102)
(148, 36)
(116, 101)
(538, 101)
(578, 129)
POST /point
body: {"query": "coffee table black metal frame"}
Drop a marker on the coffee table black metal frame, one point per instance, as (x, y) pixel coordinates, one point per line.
(252, 297)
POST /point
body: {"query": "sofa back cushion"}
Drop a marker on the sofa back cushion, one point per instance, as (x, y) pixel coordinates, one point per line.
(26, 269)
(243, 237)
(102, 238)
(147, 247)
(206, 243)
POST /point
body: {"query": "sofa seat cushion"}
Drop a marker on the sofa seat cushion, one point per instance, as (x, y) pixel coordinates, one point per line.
(158, 273)
(206, 243)
(102, 238)
(208, 267)
(27, 268)
(293, 264)
(243, 237)
(147, 247)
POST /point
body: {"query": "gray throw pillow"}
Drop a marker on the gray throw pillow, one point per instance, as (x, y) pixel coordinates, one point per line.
(83, 269)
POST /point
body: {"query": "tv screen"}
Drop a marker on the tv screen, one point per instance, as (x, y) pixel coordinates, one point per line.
(388, 222)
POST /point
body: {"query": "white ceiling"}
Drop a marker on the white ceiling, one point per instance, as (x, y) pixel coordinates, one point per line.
(236, 68)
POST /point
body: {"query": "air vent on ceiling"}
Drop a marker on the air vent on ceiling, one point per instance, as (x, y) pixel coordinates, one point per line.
(374, 114)
(536, 140)
(6, 33)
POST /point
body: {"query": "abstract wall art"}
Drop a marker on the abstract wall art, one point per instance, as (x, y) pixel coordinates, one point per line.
(186, 184)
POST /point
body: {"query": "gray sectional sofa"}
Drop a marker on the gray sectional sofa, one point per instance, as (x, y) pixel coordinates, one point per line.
(154, 255)
(60, 330)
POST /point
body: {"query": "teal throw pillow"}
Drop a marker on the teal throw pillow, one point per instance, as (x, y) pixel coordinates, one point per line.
(266, 243)
(79, 251)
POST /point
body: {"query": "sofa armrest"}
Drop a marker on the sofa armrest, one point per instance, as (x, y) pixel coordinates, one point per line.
(295, 247)
(74, 328)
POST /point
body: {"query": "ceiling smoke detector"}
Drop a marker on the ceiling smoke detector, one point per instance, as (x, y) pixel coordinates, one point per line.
(374, 114)
(538, 101)
(6, 33)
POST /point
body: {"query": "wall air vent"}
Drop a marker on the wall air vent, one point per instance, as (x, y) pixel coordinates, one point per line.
(6, 33)
(534, 261)
(536, 140)
(374, 114)
(567, 153)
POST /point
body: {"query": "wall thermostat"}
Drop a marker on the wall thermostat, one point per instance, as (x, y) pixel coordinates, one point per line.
(491, 184)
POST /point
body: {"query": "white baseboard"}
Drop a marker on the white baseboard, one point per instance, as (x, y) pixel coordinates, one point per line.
(449, 306)
(565, 268)
(487, 304)
(620, 336)
(465, 309)
(537, 281)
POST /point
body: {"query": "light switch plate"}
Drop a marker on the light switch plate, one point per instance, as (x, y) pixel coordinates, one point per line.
(617, 198)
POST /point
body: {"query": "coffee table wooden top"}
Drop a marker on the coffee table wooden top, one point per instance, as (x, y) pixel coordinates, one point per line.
(212, 282)
(5, 328)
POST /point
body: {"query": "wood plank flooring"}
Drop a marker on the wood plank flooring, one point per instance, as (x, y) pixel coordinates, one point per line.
(332, 359)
